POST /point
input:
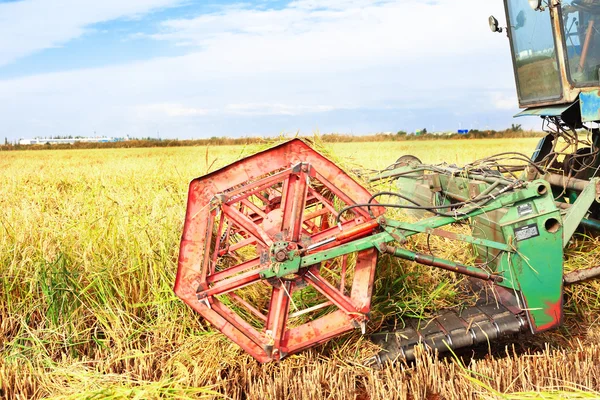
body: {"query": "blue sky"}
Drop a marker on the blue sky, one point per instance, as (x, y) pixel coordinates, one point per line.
(194, 69)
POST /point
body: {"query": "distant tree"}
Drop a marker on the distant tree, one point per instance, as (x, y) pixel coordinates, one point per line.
(401, 133)
(5, 141)
(516, 128)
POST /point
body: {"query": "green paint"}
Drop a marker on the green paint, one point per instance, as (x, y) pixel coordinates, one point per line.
(527, 251)
(579, 210)
(357, 245)
(281, 269)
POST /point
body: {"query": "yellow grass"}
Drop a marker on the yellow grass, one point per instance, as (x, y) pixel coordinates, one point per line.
(88, 250)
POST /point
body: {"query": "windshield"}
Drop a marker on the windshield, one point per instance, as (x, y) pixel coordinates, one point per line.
(534, 52)
(581, 31)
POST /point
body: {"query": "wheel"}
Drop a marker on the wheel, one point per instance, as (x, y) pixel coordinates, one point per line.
(404, 161)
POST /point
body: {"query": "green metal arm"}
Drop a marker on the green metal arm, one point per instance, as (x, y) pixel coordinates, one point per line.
(580, 208)
(400, 231)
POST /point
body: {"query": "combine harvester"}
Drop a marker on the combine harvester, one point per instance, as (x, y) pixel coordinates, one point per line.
(286, 227)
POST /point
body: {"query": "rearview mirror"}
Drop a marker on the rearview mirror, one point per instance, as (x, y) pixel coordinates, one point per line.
(494, 24)
(521, 19)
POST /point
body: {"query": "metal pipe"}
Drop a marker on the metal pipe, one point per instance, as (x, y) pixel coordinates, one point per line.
(590, 223)
(581, 275)
(441, 170)
(488, 190)
(491, 179)
(566, 182)
(455, 196)
(586, 45)
(393, 174)
(361, 229)
(440, 263)
(320, 244)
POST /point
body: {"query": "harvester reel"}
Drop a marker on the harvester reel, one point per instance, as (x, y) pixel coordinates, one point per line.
(404, 161)
(244, 261)
(407, 159)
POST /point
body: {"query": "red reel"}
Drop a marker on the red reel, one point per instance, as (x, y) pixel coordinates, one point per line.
(244, 220)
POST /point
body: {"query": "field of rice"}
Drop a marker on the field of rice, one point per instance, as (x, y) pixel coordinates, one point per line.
(88, 255)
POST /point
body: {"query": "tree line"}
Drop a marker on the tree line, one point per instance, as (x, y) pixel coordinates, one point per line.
(327, 138)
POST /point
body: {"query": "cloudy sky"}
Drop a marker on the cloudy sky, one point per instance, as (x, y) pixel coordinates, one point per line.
(202, 68)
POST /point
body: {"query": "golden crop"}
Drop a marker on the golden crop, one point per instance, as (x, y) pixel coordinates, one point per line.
(88, 251)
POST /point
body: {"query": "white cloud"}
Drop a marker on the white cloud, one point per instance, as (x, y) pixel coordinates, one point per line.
(246, 109)
(274, 109)
(307, 58)
(333, 28)
(29, 26)
(503, 101)
(172, 110)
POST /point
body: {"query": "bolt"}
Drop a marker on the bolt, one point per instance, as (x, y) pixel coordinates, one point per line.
(281, 256)
(220, 198)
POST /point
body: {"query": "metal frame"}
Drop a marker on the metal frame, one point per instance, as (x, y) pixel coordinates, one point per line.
(558, 48)
(566, 55)
(231, 202)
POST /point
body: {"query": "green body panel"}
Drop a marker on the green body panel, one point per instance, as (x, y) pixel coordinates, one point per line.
(535, 269)
(534, 265)
(528, 228)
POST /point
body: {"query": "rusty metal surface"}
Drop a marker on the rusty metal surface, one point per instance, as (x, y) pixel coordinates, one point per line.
(288, 194)
(566, 182)
(582, 275)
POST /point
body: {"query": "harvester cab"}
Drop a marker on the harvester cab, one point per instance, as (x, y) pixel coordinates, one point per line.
(555, 48)
(280, 250)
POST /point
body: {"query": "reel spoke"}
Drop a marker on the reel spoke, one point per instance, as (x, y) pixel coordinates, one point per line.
(248, 227)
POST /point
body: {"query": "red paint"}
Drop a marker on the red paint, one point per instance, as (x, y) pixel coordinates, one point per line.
(263, 199)
(554, 311)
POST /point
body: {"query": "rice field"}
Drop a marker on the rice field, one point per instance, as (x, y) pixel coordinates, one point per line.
(88, 255)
